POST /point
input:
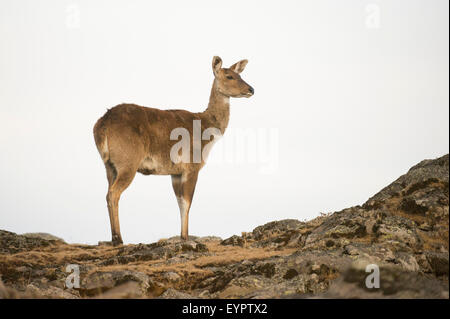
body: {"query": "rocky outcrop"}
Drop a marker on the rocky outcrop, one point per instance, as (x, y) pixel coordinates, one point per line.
(402, 230)
(45, 236)
(12, 243)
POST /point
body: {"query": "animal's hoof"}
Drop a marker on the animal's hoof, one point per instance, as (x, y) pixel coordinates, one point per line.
(114, 242)
(110, 243)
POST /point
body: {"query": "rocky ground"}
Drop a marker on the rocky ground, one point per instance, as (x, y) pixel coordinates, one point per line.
(403, 229)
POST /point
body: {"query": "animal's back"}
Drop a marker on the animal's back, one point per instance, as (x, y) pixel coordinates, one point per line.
(144, 131)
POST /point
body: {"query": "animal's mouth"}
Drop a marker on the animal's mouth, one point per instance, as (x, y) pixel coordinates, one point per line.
(248, 94)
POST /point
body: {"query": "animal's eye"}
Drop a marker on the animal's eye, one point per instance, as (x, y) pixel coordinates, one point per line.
(229, 77)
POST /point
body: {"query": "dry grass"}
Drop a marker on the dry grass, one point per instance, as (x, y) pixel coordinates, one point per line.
(63, 254)
(59, 254)
(431, 242)
(219, 255)
(190, 271)
(393, 204)
(233, 254)
(418, 219)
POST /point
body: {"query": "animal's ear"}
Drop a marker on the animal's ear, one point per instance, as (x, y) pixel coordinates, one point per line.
(216, 64)
(239, 67)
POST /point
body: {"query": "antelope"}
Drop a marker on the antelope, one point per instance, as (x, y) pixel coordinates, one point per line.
(132, 138)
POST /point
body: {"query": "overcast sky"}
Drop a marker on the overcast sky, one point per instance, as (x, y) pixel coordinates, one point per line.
(349, 95)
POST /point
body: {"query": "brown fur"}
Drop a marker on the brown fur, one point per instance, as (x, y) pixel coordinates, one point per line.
(132, 138)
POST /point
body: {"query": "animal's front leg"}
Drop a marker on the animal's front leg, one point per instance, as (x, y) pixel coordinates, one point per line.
(184, 187)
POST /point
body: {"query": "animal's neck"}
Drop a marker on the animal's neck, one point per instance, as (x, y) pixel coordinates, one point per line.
(218, 111)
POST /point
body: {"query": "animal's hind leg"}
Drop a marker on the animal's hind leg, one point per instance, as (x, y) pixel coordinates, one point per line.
(120, 183)
(111, 172)
(111, 175)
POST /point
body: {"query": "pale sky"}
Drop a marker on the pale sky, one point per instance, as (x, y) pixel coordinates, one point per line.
(349, 95)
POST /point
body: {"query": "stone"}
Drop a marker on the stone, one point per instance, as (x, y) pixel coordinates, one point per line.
(233, 241)
(175, 294)
(438, 262)
(128, 290)
(172, 276)
(51, 292)
(45, 236)
(99, 282)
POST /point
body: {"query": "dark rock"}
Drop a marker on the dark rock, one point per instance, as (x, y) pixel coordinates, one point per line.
(438, 262)
(175, 294)
(45, 236)
(394, 283)
(233, 241)
(99, 282)
(420, 173)
(410, 206)
(12, 243)
(265, 269)
(128, 290)
(290, 273)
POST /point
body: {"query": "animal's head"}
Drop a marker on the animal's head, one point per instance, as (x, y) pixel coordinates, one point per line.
(229, 81)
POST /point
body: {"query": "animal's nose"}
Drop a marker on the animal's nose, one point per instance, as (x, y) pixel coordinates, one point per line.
(251, 90)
